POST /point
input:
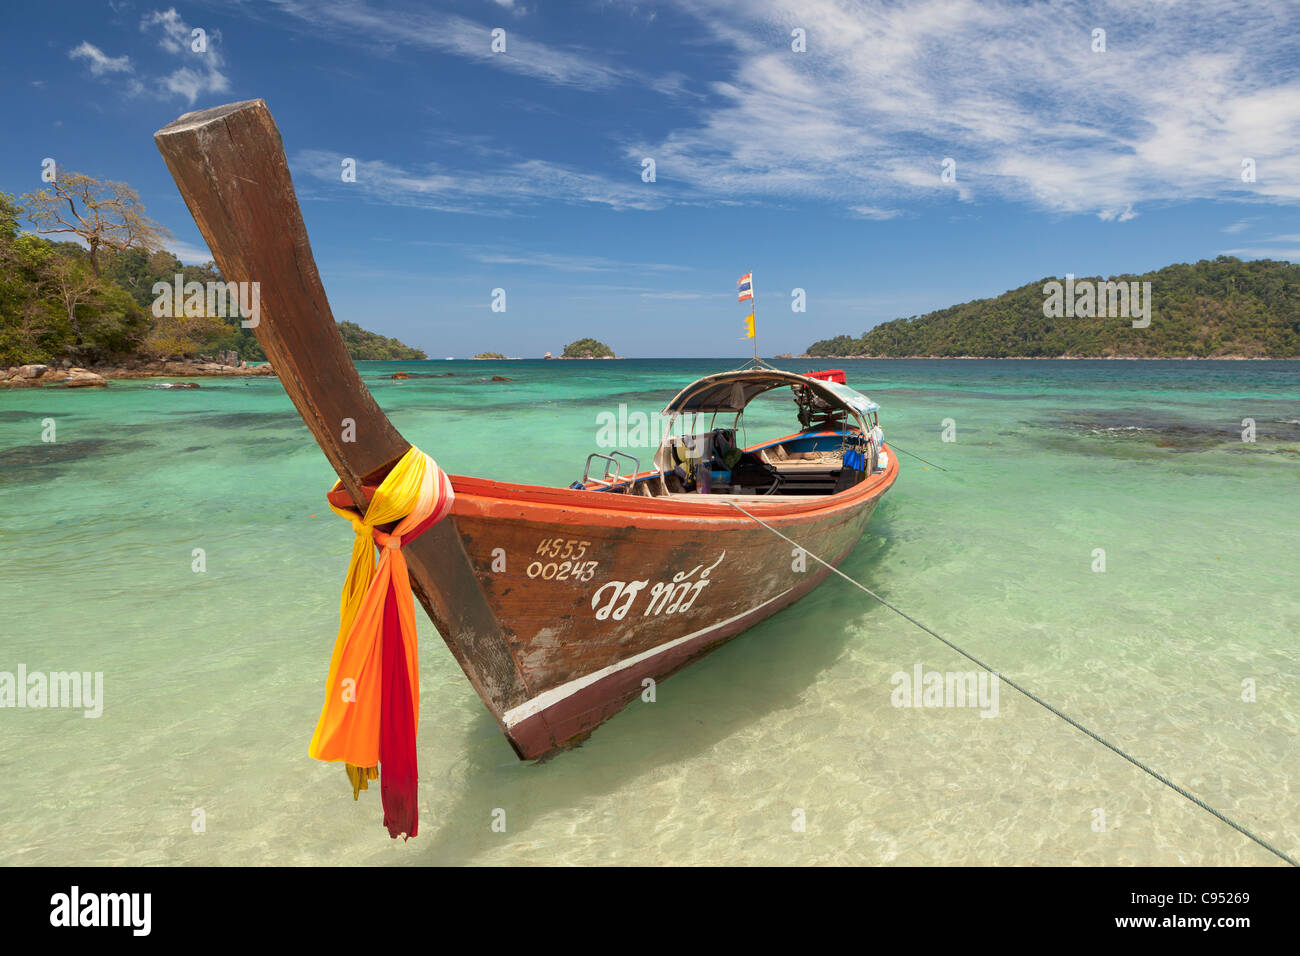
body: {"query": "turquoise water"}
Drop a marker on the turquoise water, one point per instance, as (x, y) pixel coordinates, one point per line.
(213, 680)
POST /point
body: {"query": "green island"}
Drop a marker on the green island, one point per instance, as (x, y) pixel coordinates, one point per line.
(490, 355)
(365, 346)
(1219, 308)
(91, 302)
(587, 349)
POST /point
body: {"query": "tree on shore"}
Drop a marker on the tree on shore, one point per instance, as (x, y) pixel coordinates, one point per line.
(72, 284)
(52, 305)
(183, 336)
(106, 215)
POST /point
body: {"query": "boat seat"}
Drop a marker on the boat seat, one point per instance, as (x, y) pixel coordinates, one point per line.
(807, 467)
(778, 456)
(829, 455)
(814, 462)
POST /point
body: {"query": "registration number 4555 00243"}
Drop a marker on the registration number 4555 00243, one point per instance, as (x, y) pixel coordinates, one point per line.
(568, 564)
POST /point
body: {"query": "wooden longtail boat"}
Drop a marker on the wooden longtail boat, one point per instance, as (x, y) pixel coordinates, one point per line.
(556, 602)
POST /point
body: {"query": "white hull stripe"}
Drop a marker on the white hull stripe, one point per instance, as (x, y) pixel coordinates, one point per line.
(555, 694)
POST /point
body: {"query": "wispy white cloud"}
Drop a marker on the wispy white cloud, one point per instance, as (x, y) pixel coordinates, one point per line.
(497, 255)
(98, 62)
(1239, 226)
(189, 253)
(1285, 246)
(886, 94)
(201, 71)
(482, 191)
(874, 212)
(457, 35)
(1014, 93)
(563, 263)
(1117, 215)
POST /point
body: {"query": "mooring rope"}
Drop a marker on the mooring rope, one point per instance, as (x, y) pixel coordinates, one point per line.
(1032, 696)
(917, 457)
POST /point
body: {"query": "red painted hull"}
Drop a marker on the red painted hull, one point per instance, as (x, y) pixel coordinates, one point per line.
(595, 593)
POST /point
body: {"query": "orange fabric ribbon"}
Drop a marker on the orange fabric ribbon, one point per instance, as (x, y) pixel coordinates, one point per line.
(372, 694)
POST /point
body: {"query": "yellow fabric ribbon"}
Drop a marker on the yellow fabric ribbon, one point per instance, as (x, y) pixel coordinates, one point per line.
(349, 725)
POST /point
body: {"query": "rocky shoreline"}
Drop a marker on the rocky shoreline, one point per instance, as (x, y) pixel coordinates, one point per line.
(99, 374)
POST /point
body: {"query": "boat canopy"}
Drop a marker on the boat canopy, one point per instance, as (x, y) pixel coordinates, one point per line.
(732, 391)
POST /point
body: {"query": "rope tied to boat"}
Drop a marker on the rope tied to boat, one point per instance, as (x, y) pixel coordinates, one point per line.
(1030, 694)
(372, 695)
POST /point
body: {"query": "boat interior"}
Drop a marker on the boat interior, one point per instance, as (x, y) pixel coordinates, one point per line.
(839, 445)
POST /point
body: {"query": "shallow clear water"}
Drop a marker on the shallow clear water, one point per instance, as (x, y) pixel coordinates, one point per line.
(213, 681)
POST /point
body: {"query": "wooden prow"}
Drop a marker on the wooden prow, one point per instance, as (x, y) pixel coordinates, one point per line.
(230, 166)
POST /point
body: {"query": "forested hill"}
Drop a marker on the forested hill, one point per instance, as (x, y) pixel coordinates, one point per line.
(364, 345)
(56, 302)
(1215, 308)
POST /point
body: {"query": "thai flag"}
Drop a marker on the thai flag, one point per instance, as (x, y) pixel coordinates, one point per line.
(746, 287)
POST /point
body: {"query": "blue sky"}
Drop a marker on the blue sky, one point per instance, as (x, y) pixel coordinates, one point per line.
(818, 170)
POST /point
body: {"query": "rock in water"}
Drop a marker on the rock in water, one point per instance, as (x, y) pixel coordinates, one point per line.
(80, 378)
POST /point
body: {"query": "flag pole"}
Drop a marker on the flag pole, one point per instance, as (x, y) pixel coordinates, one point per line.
(753, 302)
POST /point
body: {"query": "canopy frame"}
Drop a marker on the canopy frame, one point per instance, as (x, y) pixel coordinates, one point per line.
(732, 392)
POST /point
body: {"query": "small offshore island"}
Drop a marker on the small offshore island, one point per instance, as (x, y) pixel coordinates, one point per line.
(581, 349)
(587, 349)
